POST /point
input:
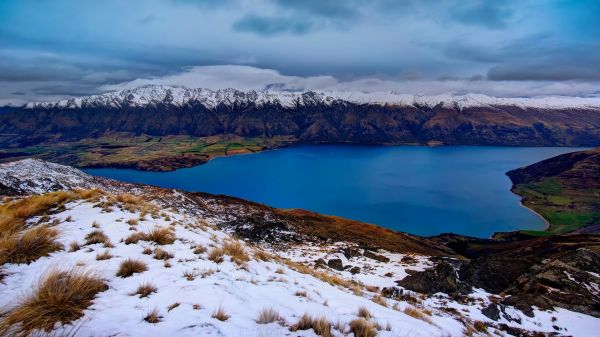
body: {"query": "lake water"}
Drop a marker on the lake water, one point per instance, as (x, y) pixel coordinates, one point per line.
(419, 190)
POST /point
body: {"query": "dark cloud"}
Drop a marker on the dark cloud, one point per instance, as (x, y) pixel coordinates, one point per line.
(493, 14)
(265, 25)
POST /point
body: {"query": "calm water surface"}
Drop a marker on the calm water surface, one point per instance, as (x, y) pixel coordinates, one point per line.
(419, 190)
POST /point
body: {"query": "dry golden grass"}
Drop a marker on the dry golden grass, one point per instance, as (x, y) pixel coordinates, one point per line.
(173, 306)
(13, 214)
(268, 315)
(130, 267)
(161, 254)
(189, 275)
(320, 325)
(380, 300)
(29, 245)
(220, 314)
(132, 222)
(74, 246)
(364, 313)
(97, 236)
(145, 290)
(105, 255)
(261, 255)
(60, 297)
(480, 326)
(160, 236)
(360, 327)
(417, 313)
(199, 249)
(216, 255)
(147, 251)
(236, 251)
(153, 317)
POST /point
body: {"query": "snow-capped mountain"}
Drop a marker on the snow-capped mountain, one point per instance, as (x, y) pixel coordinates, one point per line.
(179, 96)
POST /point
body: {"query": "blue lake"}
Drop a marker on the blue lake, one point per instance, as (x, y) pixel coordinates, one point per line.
(419, 190)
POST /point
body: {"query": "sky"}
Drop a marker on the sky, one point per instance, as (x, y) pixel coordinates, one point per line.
(54, 49)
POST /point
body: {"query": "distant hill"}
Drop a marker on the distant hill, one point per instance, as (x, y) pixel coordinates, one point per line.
(187, 127)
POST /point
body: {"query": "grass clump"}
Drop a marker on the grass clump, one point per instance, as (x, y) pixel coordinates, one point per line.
(60, 297)
(145, 290)
(97, 236)
(364, 313)
(105, 255)
(216, 255)
(361, 327)
(236, 251)
(160, 236)
(199, 249)
(161, 254)
(130, 267)
(268, 315)
(13, 214)
(220, 314)
(153, 317)
(74, 246)
(416, 313)
(29, 245)
(320, 325)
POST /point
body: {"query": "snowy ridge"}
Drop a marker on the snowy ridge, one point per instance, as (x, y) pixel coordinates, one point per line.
(178, 96)
(37, 176)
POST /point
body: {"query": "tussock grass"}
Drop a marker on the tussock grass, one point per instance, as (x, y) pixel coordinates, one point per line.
(29, 245)
(364, 313)
(160, 236)
(268, 315)
(199, 249)
(13, 214)
(417, 313)
(173, 306)
(145, 290)
(216, 255)
(320, 325)
(74, 246)
(262, 255)
(361, 327)
(220, 314)
(380, 300)
(236, 251)
(189, 275)
(153, 317)
(97, 236)
(130, 267)
(161, 254)
(132, 222)
(105, 255)
(59, 297)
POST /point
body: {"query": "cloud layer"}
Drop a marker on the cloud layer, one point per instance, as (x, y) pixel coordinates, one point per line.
(59, 48)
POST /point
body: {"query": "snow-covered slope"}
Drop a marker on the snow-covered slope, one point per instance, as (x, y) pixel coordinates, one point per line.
(191, 285)
(179, 96)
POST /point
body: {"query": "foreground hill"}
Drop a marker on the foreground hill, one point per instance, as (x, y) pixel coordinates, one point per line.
(136, 260)
(564, 189)
(163, 128)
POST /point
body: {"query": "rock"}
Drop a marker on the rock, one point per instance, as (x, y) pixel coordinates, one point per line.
(442, 278)
(392, 292)
(335, 264)
(355, 270)
(350, 252)
(408, 260)
(376, 257)
(492, 312)
(410, 271)
(320, 263)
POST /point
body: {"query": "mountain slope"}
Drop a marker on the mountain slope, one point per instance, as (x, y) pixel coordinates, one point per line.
(199, 280)
(564, 189)
(177, 127)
